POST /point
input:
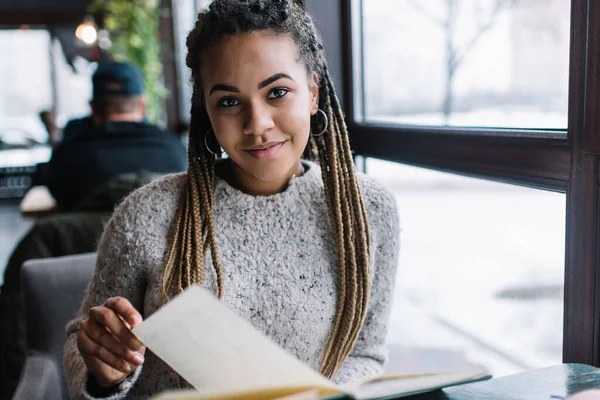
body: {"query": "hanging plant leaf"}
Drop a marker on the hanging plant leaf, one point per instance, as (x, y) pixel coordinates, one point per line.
(134, 30)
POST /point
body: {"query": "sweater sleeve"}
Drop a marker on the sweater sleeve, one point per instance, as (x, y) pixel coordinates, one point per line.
(370, 352)
(119, 272)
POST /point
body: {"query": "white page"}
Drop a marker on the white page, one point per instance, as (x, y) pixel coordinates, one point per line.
(410, 384)
(216, 351)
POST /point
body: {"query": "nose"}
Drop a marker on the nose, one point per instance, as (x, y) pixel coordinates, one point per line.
(258, 120)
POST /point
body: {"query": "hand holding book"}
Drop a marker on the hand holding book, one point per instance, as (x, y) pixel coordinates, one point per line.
(224, 357)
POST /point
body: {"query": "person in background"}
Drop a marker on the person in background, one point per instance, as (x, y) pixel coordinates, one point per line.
(48, 118)
(112, 141)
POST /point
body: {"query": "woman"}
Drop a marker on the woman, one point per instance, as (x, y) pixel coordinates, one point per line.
(306, 252)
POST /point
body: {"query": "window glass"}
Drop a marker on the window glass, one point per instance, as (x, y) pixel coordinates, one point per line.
(73, 85)
(201, 4)
(485, 63)
(481, 271)
(25, 85)
(185, 14)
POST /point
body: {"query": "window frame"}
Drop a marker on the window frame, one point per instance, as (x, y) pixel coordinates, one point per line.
(552, 162)
(166, 31)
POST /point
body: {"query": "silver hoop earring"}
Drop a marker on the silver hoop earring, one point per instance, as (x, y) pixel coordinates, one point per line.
(206, 143)
(325, 124)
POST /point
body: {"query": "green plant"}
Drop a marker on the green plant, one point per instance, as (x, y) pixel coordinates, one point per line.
(133, 27)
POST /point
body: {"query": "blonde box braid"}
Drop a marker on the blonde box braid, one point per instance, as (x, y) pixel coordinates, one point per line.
(194, 231)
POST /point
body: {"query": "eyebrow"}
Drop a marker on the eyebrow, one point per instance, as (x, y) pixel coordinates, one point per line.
(224, 88)
(266, 82)
(274, 78)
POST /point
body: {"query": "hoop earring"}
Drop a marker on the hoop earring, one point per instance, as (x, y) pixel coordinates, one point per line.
(206, 144)
(325, 124)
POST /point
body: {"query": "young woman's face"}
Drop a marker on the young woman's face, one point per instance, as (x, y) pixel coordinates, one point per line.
(260, 98)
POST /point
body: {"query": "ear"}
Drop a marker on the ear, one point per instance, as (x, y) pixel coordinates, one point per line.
(96, 119)
(142, 106)
(314, 93)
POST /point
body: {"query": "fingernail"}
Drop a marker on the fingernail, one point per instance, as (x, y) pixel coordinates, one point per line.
(134, 320)
(127, 367)
(135, 345)
(139, 359)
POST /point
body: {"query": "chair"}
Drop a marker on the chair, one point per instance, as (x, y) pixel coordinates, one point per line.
(53, 289)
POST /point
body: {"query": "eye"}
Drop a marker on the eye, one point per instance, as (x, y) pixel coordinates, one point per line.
(278, 93)
(228, 102)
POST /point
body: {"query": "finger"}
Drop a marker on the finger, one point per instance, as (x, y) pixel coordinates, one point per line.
(104, 338)
(122, 307)
(107, 318)
(88, 347)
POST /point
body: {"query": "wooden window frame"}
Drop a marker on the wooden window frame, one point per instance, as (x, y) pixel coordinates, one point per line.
(14, 19)
(169, 59)
(547, 160)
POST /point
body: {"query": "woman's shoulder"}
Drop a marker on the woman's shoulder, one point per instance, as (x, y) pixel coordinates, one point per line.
(164, 189)
(381, 206)
(153, 203)
(384, 224)
(379, 200)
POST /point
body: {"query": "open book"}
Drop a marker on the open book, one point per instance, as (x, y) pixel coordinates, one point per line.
(225, 358)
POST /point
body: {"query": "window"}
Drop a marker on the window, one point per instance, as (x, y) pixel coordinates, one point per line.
(564, 160)
(481, 269)
(37, 77)
(202, 4)
(487, 63)
(73, 85)
(25, 85)
(184, 14)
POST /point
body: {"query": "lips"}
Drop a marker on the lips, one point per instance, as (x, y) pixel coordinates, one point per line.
(265, 150)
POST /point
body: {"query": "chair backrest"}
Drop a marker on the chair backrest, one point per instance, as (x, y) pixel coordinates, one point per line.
(53, 289)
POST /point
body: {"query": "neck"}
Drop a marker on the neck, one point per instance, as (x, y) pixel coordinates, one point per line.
(117, 118)
(255, 187)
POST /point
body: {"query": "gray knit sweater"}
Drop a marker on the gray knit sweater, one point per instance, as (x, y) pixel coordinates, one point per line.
(280, 263)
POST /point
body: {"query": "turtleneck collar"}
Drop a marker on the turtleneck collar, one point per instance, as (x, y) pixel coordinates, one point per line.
(297, 185)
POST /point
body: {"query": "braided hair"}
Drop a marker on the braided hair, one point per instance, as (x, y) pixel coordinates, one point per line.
(194, 231)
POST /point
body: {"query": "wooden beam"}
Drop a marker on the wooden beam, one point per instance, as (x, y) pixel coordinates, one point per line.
(167, 39)
(582, 281)
(12, 19)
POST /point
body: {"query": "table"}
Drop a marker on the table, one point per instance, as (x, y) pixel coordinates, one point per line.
(550, 383)
(38, 202)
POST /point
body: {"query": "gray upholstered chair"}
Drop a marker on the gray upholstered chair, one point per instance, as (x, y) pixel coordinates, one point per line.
(53, 289)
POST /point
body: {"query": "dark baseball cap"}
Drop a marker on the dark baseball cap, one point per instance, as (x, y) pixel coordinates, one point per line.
(117, 79)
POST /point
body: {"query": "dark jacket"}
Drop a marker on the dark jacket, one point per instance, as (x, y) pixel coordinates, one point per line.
(76, 128)
(87, 161)
(60, 235)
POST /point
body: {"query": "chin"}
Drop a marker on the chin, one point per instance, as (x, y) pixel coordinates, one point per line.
(268, 170)
(269, 173)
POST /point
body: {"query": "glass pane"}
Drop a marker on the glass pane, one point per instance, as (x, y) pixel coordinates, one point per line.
(486, 63)
(185, 16)
(73, 85)
(481, 271)
(202, 4)
(25, 85)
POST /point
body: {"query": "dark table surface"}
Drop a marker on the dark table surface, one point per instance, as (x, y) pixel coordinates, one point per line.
(550, 383)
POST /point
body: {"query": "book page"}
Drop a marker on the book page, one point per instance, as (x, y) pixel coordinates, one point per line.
(263, 395)
(401, 385)
(218, 352)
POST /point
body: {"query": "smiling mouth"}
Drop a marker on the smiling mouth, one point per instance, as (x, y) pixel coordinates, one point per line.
(267, 150)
